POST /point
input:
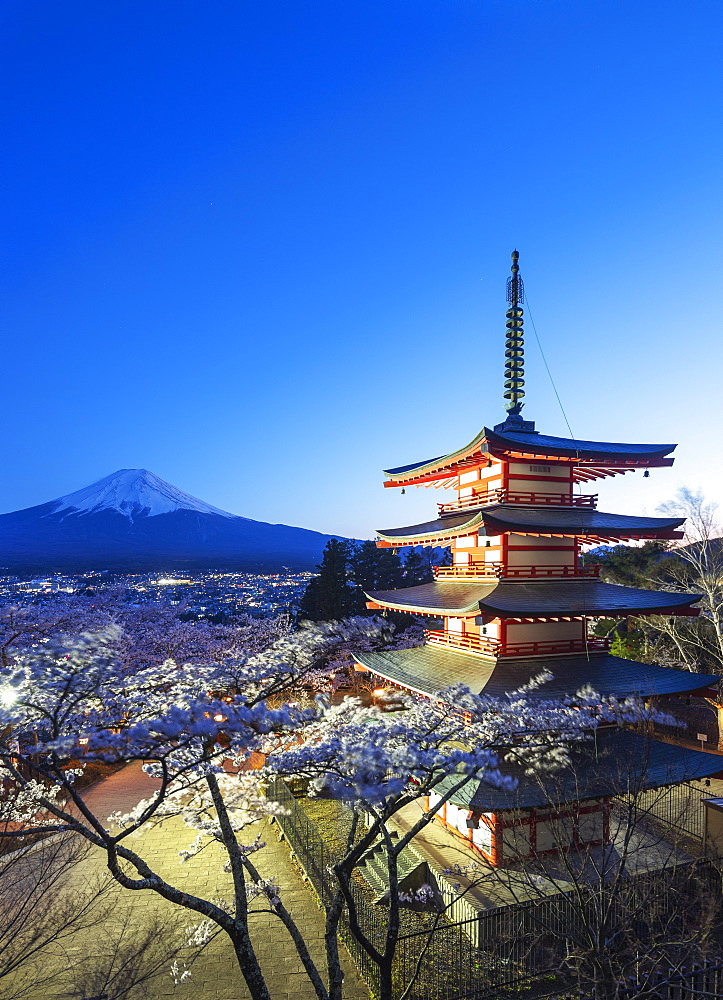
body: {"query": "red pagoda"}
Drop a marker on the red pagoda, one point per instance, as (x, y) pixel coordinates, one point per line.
(517, 601)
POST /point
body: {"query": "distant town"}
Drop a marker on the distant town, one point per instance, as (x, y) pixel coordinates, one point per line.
(208, 594)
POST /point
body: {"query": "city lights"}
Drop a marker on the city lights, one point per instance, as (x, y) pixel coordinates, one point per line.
(204, 593)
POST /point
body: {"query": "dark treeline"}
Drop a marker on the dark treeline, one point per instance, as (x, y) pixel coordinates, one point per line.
(349, 569)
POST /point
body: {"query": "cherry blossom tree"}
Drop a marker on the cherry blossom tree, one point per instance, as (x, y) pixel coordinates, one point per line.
(151, 632)
(184, 720)
(378, 763)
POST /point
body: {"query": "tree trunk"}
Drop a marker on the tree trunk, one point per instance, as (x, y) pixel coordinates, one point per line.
(249, 965)
(331, 940)
(605, 985)
(385, 981)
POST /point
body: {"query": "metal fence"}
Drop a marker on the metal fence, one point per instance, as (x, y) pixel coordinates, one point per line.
(701, 982)
(508, 946)
(678, 808)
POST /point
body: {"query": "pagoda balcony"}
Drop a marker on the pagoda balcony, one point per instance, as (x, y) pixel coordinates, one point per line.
(498, 571)
(515, 497)
(480, 644)
(593, 644)
(483, 645)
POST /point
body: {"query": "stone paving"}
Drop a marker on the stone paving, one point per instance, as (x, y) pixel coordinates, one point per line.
(215, 974)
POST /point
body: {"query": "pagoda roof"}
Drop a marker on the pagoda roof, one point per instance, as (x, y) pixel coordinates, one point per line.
(436, 598)
(505, 443)
(548, 599)
(576, 521)
(534, 443)
(542, 520)
(430, 669)
(439, 528)
(613, 762)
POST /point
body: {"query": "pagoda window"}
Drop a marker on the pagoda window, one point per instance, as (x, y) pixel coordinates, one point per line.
(461, 558)
(455, 625)
(467, 542)
(467, 491)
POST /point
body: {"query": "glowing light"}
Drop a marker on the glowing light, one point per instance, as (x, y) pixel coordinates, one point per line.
(8, 696)
(83, 741)
(219, 718)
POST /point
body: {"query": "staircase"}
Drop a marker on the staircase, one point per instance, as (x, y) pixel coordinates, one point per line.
(412, 873)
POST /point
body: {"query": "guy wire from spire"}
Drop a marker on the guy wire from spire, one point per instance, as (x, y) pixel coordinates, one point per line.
(515, 344)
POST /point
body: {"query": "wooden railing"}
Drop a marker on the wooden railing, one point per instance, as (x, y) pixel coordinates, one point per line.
(469, 571)
(483, 645)
(513, 496)
(593, 645)
(496, 570)
(471, 643)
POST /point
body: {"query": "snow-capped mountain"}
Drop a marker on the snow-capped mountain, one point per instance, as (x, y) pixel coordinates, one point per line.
(133, 520)
(133, 493)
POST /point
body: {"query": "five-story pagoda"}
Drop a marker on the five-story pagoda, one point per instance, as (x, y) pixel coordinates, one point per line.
(517, 599)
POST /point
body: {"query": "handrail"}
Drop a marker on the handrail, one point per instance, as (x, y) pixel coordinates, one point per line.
(496, 570)
(591, 644)
(516, 497)
(493, 647)
(467, 570)
(473, 643)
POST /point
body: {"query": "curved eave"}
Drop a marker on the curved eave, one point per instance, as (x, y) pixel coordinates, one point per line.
(606, 454)
(427, 670)
(581, 599)
(577, 521)
(404, 472)
(596, 452)
(502, 519)
(435, 599)
(517, 600)
(432, 531)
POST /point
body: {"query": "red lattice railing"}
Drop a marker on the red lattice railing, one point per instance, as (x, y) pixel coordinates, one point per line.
(471, 643)
(513, 496)
(496, 570)
(484, 645)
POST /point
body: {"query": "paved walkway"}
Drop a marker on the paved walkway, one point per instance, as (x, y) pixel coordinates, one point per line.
(215, 974)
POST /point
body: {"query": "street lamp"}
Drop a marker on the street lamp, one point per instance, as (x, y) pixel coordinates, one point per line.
(8, 696)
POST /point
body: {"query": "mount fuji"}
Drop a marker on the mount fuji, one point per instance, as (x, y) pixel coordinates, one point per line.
(134, 521)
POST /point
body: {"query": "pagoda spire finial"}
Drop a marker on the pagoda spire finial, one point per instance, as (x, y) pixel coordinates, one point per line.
(515, 345)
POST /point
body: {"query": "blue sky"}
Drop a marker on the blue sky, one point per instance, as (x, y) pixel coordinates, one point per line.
(261, 248)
